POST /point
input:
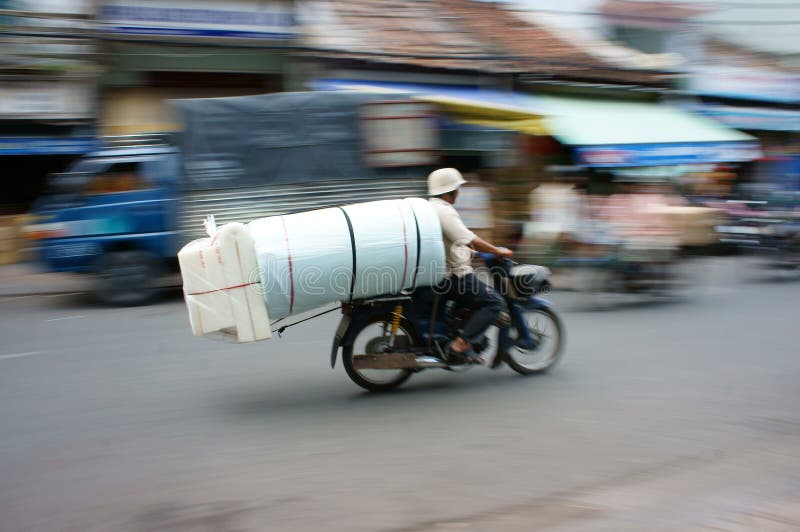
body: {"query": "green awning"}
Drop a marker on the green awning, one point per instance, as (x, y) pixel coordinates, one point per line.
(626, 134)
(602, 133)
(592, 122)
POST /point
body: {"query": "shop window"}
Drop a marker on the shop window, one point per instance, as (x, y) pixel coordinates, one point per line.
(215, 80)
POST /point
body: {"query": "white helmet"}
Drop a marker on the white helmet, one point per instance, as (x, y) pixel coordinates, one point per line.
(444, 180)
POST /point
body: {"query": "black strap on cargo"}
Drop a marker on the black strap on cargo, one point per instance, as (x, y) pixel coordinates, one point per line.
(353, 248)
(281, 329)
(419, 248)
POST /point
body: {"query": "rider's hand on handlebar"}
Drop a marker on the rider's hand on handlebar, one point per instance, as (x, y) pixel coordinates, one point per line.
(504, 253)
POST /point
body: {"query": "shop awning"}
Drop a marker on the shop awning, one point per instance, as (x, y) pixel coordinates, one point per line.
(603, 133)
(483, 107)
(751, 118)
(617, 134)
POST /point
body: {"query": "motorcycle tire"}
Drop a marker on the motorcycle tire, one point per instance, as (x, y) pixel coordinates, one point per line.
(550, 361)
(357, 377)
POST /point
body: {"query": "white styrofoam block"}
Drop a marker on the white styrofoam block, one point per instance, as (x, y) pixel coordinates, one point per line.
(305, 260)
(284, 265)
(240, 267)
(431, 258)
(210, 310)
(220, 288)
(412, 247)
(382, 240)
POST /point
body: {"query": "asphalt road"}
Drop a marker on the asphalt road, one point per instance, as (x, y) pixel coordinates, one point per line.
(679, 416)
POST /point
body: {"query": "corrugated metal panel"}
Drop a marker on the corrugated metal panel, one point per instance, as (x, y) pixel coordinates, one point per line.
(246, 204)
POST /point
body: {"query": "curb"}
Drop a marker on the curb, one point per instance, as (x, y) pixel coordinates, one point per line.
(24, 279)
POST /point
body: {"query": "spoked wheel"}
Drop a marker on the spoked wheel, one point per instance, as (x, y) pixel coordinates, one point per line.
(546, 330)
(374, 339)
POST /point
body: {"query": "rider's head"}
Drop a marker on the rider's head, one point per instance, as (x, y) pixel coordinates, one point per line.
(444, 183)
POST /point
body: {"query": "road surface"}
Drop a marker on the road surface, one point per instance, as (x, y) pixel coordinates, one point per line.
(679, 416)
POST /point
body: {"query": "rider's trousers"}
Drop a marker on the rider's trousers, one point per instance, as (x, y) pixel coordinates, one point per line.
(470, 292)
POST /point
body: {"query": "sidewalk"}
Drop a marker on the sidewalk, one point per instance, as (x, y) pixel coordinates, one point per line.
(25, 279)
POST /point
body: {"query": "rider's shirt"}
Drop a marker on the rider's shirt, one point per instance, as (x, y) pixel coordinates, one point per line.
(456, 238)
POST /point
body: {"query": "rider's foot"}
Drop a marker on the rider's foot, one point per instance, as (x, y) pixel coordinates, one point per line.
(463, 356)
(453, 357)
(459, 352)
(475, 359)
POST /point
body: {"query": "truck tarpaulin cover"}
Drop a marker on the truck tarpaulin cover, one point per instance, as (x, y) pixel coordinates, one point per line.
(278, 138)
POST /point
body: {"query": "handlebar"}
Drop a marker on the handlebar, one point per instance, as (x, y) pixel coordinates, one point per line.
(496, 261)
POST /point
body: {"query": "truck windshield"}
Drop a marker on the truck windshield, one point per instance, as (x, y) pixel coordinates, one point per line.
(76, 177)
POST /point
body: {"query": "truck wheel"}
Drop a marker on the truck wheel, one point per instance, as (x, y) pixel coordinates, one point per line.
(126, 278)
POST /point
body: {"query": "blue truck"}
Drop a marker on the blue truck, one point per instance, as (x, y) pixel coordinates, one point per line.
(122, 212)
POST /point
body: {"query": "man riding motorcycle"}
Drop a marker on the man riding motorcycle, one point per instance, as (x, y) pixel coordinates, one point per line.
(461, 284)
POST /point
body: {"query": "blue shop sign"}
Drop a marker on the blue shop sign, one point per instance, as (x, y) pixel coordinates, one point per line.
(236, 19)
(623, 155)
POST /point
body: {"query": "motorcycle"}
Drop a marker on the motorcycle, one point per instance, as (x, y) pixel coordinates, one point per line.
(770, 235)
(385, 340)
(780, 245)
(646, 264)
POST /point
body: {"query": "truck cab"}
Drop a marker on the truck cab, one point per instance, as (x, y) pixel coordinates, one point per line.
(113, 213)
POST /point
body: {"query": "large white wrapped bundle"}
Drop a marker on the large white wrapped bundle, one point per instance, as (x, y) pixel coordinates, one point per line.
(302, 261)
(312, 258)
(218, 285)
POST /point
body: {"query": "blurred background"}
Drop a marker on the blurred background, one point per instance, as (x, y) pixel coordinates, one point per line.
(648, 152)
(585, 126)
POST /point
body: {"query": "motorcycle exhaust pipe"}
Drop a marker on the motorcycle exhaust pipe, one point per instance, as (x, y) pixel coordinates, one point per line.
(396, 361)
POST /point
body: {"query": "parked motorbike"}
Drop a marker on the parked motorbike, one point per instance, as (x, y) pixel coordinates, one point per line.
(779, 247)
(646, 264)
(745, 223)
(386, 340)
(768, 233)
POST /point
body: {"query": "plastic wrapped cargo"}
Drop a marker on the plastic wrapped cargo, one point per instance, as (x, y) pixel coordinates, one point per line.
(299, 262)
(220, 287)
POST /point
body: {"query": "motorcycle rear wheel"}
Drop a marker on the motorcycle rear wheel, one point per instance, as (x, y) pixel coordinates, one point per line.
(367, 342)
(546, 327)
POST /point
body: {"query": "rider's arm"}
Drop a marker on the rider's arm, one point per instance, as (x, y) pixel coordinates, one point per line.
(479, 244)
(454, 230)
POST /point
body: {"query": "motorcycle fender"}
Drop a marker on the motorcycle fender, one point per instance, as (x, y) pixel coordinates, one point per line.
(516, 310)
(344, 325)
(351, 324)
(536, 303)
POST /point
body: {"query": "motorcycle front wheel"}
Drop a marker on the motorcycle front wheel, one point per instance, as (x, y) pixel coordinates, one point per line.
(546, 329)
(373, 339)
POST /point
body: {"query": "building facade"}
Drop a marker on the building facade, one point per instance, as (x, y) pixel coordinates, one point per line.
(48, 96)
